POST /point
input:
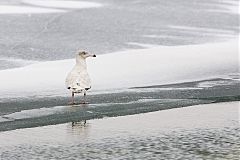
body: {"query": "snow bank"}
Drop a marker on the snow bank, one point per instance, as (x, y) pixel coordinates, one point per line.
(154, 66)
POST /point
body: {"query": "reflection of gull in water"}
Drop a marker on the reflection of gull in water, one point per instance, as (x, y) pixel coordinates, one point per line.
(79, 129)
(78, 80)
(81, 123)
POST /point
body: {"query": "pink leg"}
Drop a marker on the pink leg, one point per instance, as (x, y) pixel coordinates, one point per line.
(72, 100)
(84, 97)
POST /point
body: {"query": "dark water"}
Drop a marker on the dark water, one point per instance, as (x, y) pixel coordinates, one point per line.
(112, 27)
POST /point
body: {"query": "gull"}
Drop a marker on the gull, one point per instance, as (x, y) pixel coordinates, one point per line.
(78, 80)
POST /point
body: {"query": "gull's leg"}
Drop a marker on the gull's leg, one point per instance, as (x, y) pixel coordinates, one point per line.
(72, 97)
(84, 97)
(72, 100)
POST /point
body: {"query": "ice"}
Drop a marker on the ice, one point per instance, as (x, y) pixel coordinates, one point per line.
(2, 119)
(231, 6)
(33, 113)
(18, 61)
(14, 9)
(142, 45)
(202, 29)
(209, 84)
(45, 6)
(63, 4)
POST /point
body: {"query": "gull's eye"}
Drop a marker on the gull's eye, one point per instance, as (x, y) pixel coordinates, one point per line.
(84, 53)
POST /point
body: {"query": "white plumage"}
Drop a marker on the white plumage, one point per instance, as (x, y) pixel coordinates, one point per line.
(78, 79)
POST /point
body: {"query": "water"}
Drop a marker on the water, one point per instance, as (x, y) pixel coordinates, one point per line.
(39, 111)
(169, 134)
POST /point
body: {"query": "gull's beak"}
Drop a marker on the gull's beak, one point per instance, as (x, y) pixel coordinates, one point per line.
(91, 55)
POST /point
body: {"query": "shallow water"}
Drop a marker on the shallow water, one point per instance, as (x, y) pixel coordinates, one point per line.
(197, 132)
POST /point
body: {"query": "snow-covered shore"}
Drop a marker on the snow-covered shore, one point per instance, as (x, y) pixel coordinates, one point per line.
(131, 68)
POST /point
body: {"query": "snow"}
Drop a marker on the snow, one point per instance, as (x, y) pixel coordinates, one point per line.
(121, 70)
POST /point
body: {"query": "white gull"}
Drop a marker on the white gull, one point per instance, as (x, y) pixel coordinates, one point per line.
(78, 80)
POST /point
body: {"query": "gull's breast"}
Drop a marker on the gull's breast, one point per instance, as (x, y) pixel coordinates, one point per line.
(78, 80)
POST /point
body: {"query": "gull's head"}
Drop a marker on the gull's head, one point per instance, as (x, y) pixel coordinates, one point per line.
(84, 54)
